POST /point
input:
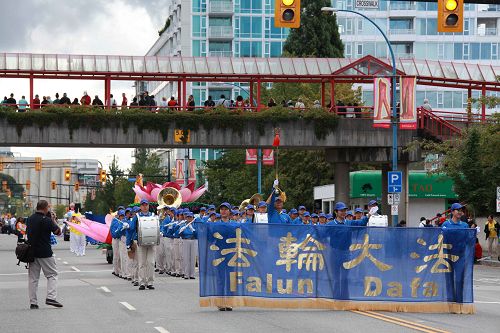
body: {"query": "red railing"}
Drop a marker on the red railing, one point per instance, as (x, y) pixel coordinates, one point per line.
(436, 125)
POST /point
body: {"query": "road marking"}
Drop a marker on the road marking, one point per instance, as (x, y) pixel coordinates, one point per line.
(60, 272)
(75, 269)
(128, 306)
(400, 322)
(161, 329)
(105, 289)
(65, 262)
(483, 302)
(58, 258)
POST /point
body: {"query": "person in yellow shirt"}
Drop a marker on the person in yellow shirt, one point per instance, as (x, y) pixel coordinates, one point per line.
(492, 230)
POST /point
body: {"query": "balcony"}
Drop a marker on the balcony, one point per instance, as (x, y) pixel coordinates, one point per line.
(401, 31)
(221, 8)
(404, 55)
(220, 53)
(221, 32)
(402, 6)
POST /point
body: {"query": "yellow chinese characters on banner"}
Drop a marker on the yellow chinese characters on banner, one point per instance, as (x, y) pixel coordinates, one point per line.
(382, 103)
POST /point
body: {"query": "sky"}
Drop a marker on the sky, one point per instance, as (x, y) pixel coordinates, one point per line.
(108, 27)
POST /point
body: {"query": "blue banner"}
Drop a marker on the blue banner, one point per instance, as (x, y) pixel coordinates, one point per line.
(336, 267)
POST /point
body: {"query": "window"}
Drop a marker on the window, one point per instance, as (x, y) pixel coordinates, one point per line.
(494, 51)
(486, 51)
(400, 24)
(360, 25)
(359, 50)
(348, 50)
(441, 51)
(249, 6)
(250, 27)
(199, 26)
(466, 51)
(250, 49)
(474, 51)
(440, 98)
(348, 26)
(271, 31)
(276, 49)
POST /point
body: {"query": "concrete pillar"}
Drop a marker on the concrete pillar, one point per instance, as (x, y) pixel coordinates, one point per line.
(342, 182)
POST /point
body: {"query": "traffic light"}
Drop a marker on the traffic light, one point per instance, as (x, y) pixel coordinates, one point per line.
(53, 184)
(77, 187)
(450, 16)
(67, 174)
(287, 14)
(4, 185)
(38, 164)
(28, 184)
(103, 176)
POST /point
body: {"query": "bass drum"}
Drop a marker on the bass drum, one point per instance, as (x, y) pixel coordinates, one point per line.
(378, 221)
(260, 218)
(148, 230)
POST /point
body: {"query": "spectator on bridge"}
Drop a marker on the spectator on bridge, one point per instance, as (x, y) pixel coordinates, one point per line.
(134, 103)
(23, 104)
(11, 101)
(172, 103)
(209, 102)
(39, 228)
(152, 103)
(112, 101)
(223, 101)
(57, 100)
(163, 104)
(124, 101)
(426, 105)
(85, 100)
(299, 104)
(290, 104)
(284, 103)
(142, 101)
(36, 103)
(4, 100)
(247, 105)
(316, 105)
(239, 102)
(45, 102)
(97, 102)
(49, 100)
(65, 100)
(340, 106)
(75, 102)
(190, 103)
(271, 103)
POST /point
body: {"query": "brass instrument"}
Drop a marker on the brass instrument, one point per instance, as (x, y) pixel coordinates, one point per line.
(280, 193)
(254, 200)
(169, 197)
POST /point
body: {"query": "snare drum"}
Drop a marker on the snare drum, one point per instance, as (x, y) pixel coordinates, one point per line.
(148, 230)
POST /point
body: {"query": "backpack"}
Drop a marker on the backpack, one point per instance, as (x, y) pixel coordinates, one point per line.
(24, 253)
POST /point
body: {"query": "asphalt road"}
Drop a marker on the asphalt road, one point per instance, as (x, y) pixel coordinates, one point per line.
(96, 300)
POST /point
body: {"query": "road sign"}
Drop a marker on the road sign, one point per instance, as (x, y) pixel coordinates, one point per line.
(395, 181)
(394, 209)
(366, 4)
(397, 198)
(390, 199)
(182, 136)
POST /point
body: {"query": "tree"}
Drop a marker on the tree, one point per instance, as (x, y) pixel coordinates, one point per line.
(230, 179)
(318, 35)
(148, 164)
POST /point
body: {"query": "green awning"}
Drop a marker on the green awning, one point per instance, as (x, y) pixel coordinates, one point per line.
(368, 184)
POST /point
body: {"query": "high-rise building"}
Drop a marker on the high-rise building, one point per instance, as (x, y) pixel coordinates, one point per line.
(412, 30)
(216, 28)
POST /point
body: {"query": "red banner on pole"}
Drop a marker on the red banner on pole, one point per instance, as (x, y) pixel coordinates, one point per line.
(267, 156)
(408, 119)
(179, 171)
(382, 103)
(251, 156)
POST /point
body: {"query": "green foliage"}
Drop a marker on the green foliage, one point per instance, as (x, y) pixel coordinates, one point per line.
(472, 162)
(230, 179)
(147, 163)
(318, 35)
(60, 210)
(217, 118)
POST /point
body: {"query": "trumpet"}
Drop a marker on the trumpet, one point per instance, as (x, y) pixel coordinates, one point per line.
(254, 200)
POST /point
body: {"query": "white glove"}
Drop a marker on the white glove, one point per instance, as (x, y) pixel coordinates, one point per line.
(191, 227)
(182, 229)
(125, 226)
(276, 183)
(373, 211)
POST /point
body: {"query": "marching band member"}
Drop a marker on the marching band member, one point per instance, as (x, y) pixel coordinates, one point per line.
(116, 229)
(358, 213)
(294, 216)
(225, 211)
(212, 217)
(274, 212)
(373, 207)
(189, 246)
(329, 217)
(454, 221)
(124, 259)
(133, 263)
(203, 213)
(349, 215)
(340, 217)
(161, 258)
(145, 253)
(306, 218)
(80, 239)
(262, 207)
(301, 210)
(211, 209)
(314, 219)
(168, 233)
(250, 214)
(178, 264)
(322, 219)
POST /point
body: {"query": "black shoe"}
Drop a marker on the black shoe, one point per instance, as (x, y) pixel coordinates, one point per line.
(222, 309)
(192, 277)
(160, 272)
(142, 287)
(114, 273)
(33, 306)
(151, 287)
(157, 270)
(53, 302)
(129, 279)
(229, 309)
(186, 277)
(136, 284)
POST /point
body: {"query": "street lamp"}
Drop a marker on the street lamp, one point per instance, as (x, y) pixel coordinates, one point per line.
(394, 121)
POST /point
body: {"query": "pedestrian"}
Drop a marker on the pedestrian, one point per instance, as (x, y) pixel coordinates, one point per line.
(454, 222)
(209, 103)
(426, 105)
(145, 253)
(478, 251)
(124, 101)
(23, 104)
(116, 228)
(39, 229)
(423, 222)
(11, 101)
(112, 102)
(21, 229)
(97, 102)
(300, 104)
(190, 103)
(65, 100)
(85, 100)
(134, 103)
(271, 103)
(317, 104)
(36, 103)
(492, 230)
(172, 103)
(75, 102)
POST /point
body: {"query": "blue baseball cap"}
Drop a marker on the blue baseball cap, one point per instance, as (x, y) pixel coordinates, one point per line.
(322, 215)
(144, 201)
(283, 211)
(235, 212)
(302, 207)
(128, 209)
(307, 214)
(372, 202)
(349, 212)
(250, 207)
(121, 212)
(314, 215)
(225, 204)
(136, 209)
(189, 214)
(329, 216)
(217, 215)
(293, 211)
(456, 206)
(211, 206)
(358, 210)
(120, 208)
(211, 213)
(262, 204)
(203, 209)
(340, 206)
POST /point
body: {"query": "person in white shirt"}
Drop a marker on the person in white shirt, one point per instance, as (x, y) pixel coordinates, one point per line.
(299, 104)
